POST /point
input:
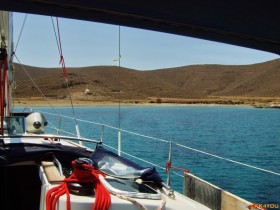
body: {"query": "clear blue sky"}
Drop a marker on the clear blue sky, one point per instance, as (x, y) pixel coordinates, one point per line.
(90, 44)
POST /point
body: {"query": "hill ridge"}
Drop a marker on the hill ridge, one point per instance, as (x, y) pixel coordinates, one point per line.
(185, 82)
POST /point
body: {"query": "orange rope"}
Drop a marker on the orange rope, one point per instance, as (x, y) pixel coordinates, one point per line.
(168, 165)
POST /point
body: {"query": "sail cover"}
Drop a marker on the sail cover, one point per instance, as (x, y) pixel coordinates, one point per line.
(120, 167)
(250, 23)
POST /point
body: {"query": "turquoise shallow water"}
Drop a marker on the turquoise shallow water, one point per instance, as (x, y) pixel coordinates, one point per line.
(244, 134)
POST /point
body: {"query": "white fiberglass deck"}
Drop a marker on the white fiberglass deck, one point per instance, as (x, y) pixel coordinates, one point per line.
(79, 202)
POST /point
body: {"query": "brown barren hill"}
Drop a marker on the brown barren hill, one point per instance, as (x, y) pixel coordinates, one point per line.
(181, 84)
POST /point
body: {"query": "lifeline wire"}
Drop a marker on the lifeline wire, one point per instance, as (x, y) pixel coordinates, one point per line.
(180, 145)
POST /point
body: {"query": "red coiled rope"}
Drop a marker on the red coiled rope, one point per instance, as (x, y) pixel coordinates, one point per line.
(83, 173)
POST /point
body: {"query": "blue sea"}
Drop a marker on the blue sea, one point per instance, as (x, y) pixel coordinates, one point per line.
(244, 134)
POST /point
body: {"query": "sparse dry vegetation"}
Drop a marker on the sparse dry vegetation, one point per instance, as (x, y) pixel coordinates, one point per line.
(257, 85)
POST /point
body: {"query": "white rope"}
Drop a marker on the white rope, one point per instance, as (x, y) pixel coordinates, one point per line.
(135, 202)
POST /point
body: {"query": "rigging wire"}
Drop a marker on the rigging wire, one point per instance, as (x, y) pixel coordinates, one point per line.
(23, 68)
(119, 94)
(17, 43)
(118, 79)
(34, 83)
(55, 34)
(62, 62)
(119, 59)
(21, 30)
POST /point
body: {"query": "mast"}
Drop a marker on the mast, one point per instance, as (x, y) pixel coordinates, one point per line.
(5, 65)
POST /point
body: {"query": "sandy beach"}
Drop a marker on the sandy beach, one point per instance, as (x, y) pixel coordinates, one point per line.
(228, 101)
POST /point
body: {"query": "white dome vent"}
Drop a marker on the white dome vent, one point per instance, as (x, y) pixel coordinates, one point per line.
(36, 123)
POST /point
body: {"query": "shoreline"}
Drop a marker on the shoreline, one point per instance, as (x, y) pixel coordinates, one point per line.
(258, 102)
(81, 103)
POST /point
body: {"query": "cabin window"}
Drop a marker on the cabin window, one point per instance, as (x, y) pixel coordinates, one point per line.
(14, 125)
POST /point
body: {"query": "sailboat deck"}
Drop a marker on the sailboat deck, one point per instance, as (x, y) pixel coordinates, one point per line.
(79, 202)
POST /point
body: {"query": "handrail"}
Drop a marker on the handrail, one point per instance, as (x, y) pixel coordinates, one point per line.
(166, 141)
(51, 136)
(143, 160)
